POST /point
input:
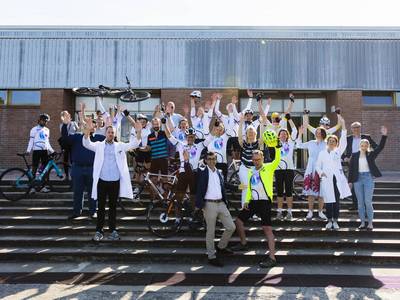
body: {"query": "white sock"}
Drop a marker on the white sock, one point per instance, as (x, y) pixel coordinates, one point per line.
(279, 210)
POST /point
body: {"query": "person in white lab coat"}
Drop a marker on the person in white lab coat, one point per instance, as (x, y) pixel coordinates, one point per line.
(334, 184)
(110, 175)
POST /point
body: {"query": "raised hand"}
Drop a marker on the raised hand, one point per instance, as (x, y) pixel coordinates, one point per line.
(185, 155)
(250, 93)
(186, 109)
(234, 100)
(301, 130)
(384, 130)
(269, 100)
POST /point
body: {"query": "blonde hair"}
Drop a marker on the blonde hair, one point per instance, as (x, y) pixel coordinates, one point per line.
(366, 142)
(333, 137)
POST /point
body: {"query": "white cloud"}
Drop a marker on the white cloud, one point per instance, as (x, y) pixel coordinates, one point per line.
(201, 12)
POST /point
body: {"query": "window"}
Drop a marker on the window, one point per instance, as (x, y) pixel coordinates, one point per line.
(19, 97)
(378, 98)
(3, 97)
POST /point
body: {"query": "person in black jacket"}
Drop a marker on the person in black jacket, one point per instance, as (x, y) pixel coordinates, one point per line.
(211, 197)
(353, 146)
(362, 169)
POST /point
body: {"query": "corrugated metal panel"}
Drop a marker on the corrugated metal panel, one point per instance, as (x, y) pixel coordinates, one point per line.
(181, 63)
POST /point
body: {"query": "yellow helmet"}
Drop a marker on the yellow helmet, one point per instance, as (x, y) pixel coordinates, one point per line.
(275, 115)
(270, 138)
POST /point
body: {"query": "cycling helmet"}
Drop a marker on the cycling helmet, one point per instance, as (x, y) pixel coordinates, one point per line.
(248, 111)
(142, 117)
(44, 117)
(324, 121)
(195, 94)
(270, 138)
(190, 131)
(275, 115)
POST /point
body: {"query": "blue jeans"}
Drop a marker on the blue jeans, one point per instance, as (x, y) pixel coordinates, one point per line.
(82, 178)
(364, 188)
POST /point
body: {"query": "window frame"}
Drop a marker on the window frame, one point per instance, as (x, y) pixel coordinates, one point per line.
(379, 94)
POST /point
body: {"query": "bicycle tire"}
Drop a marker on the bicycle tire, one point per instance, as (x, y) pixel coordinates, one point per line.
(15, 184)
(159, 221)
(134, 96)
(234, 178)
(85, 91)
(298, 180)
(58, 184)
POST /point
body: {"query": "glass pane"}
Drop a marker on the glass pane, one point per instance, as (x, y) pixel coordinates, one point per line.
(25, 97)
(398, 99)
(276, 106)
(149, 104)
(108, 102)
(3, 97)
(132, 107)
(377, 100)
(89, 102)
(298, 105)
(316, 105)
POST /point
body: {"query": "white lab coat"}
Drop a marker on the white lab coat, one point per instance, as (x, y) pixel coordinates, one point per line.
(330, 164)
(125, 186)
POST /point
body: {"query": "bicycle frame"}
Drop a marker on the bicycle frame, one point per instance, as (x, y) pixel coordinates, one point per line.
(154, 187)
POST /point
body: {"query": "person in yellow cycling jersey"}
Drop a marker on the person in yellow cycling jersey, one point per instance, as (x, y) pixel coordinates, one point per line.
(259, 198)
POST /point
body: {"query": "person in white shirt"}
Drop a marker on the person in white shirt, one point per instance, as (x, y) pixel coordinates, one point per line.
(285, 173)
(111, 178)
(334, 184)
(200, 119)
(323, 122)
(39, 145)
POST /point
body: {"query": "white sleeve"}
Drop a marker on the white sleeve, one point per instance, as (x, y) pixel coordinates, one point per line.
(266, 110)
(333, 129)
(173, 140)
(283, 123)
(301, 145)
(216, 109)
(192, 112)
(208, 140)
(31, 139)
(49, 148)
(101, 107)
(319, 165)
(88, 144)
(133, 144)
(294, 133)
(235, 113)
(343, 142)
(248, 106)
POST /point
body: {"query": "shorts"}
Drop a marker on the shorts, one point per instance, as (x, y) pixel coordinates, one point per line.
(188, 178)
(143, 156)
(39, 156)
(284, 182)
(159, 165)
(261, 208)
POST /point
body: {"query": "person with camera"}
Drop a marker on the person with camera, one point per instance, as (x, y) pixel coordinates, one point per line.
(82, 169)
(334, 186)
(39, 144)
(200, 120)
(311, 184)
(111, 178)
(362, 170)
(285, 173)
(211, 198)
(353, 146)
(259, 197)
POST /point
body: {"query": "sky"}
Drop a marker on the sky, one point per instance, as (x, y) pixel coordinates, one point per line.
(201, 12)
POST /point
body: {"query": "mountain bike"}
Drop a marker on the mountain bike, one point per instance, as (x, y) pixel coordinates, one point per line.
(16, 183)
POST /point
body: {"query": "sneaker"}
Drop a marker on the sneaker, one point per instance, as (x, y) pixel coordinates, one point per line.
(224, 251)
(32, 191)
(215, 262)
(240, 247)
(178, 221)
(322, 216)
(329, 225)
(362, 226)
(289, 216)
(45, 189)
(114, 236)
(93, 216)
(309, 215)
(73, 217)
(268, 263)
(370, 227)
(98, 236)
(335, 225)
(279, 216)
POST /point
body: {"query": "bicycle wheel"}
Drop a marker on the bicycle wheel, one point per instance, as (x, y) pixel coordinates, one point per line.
(298, 180)
(161, 218)
(85, 91)
(234, 178)
(134, 96)
(15, 184)
(58, 181)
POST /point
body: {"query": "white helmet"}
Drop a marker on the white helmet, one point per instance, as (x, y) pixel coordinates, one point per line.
(324, 121)
(196, 94)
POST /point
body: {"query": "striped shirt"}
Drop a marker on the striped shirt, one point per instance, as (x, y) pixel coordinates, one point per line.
(158, 145)
(246, 154)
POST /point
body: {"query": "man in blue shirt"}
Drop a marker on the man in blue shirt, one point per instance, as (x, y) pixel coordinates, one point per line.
(82, 170)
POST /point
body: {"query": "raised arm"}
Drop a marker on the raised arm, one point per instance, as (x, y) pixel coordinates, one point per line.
(381, 145)
(299, 142)
(134, 141)
(86, 142)
(240, 135)
(294, 129)
(343, 135)
(31, 139)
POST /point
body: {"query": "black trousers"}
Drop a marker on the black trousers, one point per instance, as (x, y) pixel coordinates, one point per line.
(110, 190)
(332, 209)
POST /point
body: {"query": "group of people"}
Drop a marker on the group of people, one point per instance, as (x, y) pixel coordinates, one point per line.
(265, 145)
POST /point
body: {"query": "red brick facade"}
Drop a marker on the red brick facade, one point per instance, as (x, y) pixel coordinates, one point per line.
(17, 121)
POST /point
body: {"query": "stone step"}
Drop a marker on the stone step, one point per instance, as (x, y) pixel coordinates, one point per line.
(123, 220)
(137, 211)
(280, 230)
(115, 253)
(282, 243)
